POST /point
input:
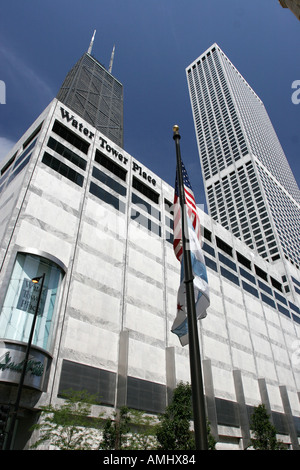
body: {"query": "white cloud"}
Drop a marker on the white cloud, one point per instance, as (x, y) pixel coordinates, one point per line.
(5, 146)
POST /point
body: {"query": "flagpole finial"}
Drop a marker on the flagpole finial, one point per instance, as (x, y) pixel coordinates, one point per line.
(176, 131)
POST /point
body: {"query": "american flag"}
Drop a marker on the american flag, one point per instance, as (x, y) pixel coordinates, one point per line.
(191, 213)
(200, 281)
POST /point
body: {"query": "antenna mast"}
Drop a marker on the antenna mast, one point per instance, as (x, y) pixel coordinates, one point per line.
(111, 60)
(91, 43)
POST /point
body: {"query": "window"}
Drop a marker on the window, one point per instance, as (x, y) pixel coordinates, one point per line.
(98, 382)
(243, 260)
(229, 275)
(264, 287)
(249, 289)
(267, 300)
(19, 169)
(32, 136)
(144, 205)
(108, 181)
(283, 310)
(169, 207)
(21, 300)
(247, 275)
(8, 164)
(24, 154)
(100, 193)
(67, 153)
(261, 273)
(144, 189)
(62, 169)
(210, 263)
(296, 318)
(276, 284)
(110, 165)
(169, 223)
(169, 237)
(70, 137)
(226, 248)
(280, 297)
(207, 234)
(145, 222)
(145, 395)
(209, 249)
(227, 261)
(294, 307)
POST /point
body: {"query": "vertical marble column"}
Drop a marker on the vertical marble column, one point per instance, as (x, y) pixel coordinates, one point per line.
(170, 373)
(242, 409)
(265, 397)
(121, 392)
(210, 400)
(289, 417)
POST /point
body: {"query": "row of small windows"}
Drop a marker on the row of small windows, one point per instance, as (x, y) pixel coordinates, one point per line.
(145, 395)
(100, 158)
(105, 196)
(285, 214)
(249, 220)
(224, 260)
(67, 153)
(13, 167)
(244, 261)
(266, 293)
(99, 192)
(18, 166)
(71, 137)
(62, 169)
(252, 290)
(108, 181)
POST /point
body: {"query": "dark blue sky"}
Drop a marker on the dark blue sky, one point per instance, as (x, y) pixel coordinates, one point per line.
(155, 41)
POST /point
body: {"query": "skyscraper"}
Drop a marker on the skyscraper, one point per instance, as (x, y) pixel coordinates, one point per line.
(94, 94)
(249, 184)
(293, 5)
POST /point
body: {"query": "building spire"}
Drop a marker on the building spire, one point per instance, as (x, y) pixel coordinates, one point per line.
(111, 60)
(91, 43)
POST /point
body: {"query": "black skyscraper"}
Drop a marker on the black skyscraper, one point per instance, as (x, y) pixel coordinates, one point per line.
(93, 93)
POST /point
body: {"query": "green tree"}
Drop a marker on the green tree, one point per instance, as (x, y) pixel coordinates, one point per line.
(69, 426)
(116, 430)
(210, 438)
(129, 430)
(174, 432)
(264, 433)
(142, 431)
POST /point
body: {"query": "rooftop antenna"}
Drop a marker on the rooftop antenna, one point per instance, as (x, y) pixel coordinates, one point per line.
(91, 43)
(111, 60)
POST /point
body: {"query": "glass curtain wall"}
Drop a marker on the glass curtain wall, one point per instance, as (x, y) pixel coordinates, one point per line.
(22, 297)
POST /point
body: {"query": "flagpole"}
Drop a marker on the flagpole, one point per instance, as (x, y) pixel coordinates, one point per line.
(194, 349)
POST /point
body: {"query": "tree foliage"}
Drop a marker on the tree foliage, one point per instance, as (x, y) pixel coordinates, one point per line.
(174, 432)
(116, 430)
(129, 430)
(264, 433)
(69, 426)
